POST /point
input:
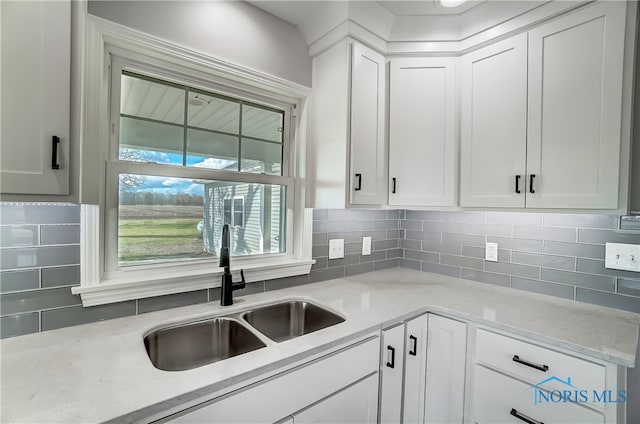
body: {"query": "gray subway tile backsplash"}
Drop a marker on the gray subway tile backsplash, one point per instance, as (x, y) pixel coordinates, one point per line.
(59, 234)
(630, 287)
(612, 300)
(19, 325)
(61, 276)
(76, 315)
(26, 279)
(542, 287)
(157, 303)
(553, 254)
(18, 235)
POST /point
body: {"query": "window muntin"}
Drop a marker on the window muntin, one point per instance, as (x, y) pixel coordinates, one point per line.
(171, 207)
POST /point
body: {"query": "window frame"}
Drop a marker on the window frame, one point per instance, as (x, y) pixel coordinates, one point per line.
(101, 280)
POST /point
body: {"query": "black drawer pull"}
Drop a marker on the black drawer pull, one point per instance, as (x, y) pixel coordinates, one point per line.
(542, 367)
(392, 363)
(414, 350)
(55, 141)
(359, 186)
(518, 183)
(523, 417)
(531, 177)
(393, 185)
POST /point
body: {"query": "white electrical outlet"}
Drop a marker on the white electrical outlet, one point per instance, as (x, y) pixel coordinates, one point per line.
(366, 245)
(336, 248)
(491, 252)
(622, 256)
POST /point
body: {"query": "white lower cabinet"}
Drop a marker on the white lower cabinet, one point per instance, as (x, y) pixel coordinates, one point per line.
(422, 371)
(514, 381)
(357, 404)
(325, 386)
(446, 359)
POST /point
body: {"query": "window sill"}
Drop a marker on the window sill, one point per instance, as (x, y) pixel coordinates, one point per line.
(128, 288)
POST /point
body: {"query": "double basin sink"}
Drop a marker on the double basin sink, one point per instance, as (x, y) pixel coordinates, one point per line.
(194, 344)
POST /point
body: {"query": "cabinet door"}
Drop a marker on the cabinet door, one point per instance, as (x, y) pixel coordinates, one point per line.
(494, 125)
(415, 366)
(574, 114)
(368, 180)
(35, 80)
(422, 132)
(357, 404)
(391, 370)
(446, 357)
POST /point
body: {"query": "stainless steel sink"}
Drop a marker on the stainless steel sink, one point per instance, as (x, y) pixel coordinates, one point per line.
(285, 321)
(192, 345)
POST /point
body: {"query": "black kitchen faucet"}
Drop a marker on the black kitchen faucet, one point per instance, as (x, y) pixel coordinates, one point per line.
(228, 286)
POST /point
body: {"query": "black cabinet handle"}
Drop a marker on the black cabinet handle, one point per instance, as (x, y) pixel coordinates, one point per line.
(393, 185)
(518, 183)
(523, 417)
(543, 368)
(531, 177)
(414, 350)
(359, 186)
(392, 363)
(55, 140)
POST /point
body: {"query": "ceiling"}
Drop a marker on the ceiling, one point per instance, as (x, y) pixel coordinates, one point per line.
(295, 11)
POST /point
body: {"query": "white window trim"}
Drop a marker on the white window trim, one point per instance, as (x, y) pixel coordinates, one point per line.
(100, 287)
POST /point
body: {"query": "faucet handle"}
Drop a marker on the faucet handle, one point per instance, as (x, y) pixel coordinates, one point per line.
(240, 284)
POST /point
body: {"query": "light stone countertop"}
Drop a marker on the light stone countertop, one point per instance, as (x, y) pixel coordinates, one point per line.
(100, 372)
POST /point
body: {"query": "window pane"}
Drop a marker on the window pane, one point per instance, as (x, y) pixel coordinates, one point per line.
(261, 156)
(262, 123)
(145, 141)
(212, 150)
(213, 113)
(153, 100)
(260, 208)
(175, 219)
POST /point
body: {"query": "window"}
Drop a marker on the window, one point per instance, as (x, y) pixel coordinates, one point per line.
(186, 159)
(178, 143)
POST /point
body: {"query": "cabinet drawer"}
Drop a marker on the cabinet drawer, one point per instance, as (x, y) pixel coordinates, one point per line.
(537, 364)
(270, 400)
(494, 396)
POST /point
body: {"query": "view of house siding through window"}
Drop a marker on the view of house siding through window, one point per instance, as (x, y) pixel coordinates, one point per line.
(174, 218)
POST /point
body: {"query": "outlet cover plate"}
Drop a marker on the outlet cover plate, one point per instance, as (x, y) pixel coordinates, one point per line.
(491, 252)
(366, 245)
(336, 248)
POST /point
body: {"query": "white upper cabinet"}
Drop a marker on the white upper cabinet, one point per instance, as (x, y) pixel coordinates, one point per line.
(35, 75)
(575, 108)
(368, 160)
(422, 132)
(346, 152)
(541, 115)
(493, 144)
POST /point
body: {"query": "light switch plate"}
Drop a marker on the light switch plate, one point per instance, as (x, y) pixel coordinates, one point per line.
(491, 252)
(366, 245)
(622, 256)
(336, 248)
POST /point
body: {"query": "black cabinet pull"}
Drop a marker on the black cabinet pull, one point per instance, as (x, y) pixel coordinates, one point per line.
(359, 186)
(518, 183)
(414, 350)
(531, 177)
(523, 417)
(393, 185)
(392, 363)
(543, 368)
(55, 140)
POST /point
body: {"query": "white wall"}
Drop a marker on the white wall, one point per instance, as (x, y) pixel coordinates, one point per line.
(230, 30)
